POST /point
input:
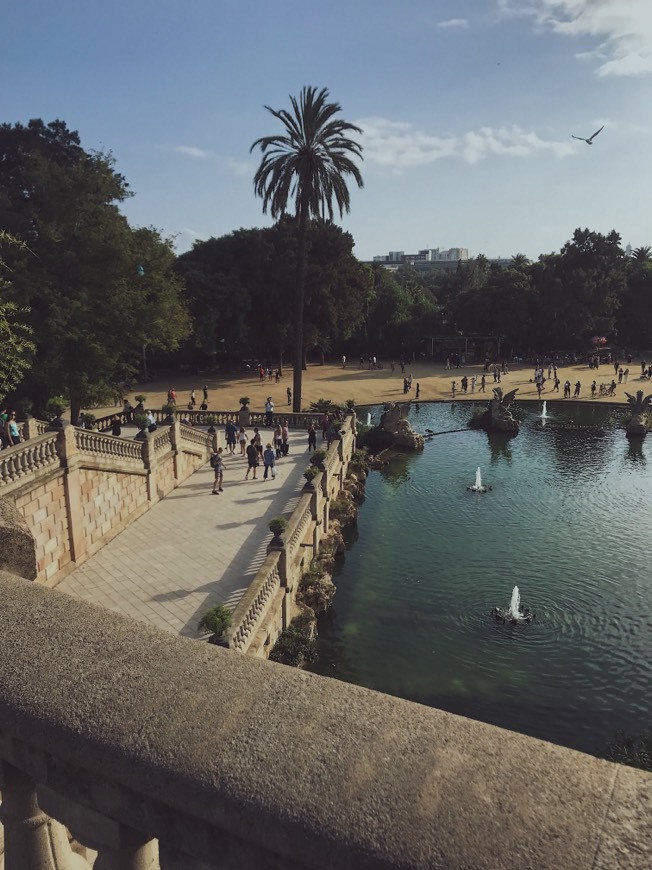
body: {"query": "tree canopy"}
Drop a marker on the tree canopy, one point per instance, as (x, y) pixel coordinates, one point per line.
(97, 291)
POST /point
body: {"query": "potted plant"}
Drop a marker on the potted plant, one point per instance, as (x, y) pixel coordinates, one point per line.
(244, 417)
(350, 404)
(337, 425)
(168, 409)
(211, 419)
(277, 526)
(55, 408)
(141, 421)
(310, 474)
(89, 421)
(140, 400)
(216, 620)
(318, 457)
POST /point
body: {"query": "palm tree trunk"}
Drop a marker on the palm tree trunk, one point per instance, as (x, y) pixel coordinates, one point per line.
(299, 300)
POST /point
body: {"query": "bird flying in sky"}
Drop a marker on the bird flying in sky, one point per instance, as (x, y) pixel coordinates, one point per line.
(588, 141)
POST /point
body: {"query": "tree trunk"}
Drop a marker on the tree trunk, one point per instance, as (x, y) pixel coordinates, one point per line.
(322, 361)
(299, 299)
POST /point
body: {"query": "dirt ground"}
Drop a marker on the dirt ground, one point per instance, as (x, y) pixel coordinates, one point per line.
(367, 387)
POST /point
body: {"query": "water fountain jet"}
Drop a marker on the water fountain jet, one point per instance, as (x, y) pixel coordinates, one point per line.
(478, 486)
(515, 613)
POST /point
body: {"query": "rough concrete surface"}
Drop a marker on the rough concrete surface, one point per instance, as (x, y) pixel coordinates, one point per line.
(324, 773)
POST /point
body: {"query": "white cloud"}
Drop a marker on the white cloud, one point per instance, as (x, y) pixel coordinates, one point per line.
(454, 22)
(239, 168)
(622, 29)
(398, 146)
(189, 151)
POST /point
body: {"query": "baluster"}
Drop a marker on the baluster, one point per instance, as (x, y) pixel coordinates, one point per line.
(133, 851)
(33, 841)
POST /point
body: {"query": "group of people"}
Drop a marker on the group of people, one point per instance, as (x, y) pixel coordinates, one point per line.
(257, 454)
(266, 374)
(464, 384)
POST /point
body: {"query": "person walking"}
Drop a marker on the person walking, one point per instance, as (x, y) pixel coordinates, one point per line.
(231, 435)
(206, 393)
(312, 436)
(285, 429)
(116, 429)
(289, 395)
(269, 458)
(257, 441)
(252, 461)
(578, 387)
(217, 464)
(193, 400)
(278, 441)
(242, 441)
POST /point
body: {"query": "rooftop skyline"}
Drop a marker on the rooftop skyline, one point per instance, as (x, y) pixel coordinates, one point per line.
(467, 110)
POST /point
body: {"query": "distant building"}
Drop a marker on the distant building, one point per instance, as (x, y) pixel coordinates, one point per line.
(427, 255)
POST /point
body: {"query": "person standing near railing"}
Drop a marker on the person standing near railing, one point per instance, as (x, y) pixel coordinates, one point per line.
(12, 430)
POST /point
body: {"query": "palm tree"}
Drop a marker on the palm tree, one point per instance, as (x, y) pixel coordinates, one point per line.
(519, 261)
(306, 167)
(643, 254)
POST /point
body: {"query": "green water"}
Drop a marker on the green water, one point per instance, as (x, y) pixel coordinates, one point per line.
(568, 520)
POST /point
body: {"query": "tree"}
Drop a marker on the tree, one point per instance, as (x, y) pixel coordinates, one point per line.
(16, 346)
(98, 291)
(642, 254)
(308, 164)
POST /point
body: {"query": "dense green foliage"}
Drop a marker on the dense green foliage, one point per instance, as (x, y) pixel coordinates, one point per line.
(98, 292)
(296, 645)
(634, 750)
(16, 346)
(239, 289)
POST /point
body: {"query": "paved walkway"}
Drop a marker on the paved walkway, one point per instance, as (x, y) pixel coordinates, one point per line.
(192, 549)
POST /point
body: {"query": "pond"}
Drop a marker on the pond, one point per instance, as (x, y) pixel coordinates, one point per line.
(568, 520)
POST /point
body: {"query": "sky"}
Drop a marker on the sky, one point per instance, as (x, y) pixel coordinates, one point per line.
(466, 108)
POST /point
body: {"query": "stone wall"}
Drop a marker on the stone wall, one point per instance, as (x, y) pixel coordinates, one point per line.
(43, 507)
(109, 501)
(205, 759)
(269, 604)
(76, 489)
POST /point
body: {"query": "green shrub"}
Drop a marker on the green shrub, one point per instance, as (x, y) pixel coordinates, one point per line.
(296, 645)
(342, 509)
(322, 406)
(140, 399)
(277, 525)
(141, 421)
(318, 457)
(56, 406)
(350, 404)
(634, 750)
(216, 620)
(169, 408)
(310, 473)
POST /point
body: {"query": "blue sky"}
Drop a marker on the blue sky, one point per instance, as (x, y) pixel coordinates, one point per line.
(467, 109)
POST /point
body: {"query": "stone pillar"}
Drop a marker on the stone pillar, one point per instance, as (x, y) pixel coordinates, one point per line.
(175, 438)
(135, 851)
(150, 463)
(69, 456)
(314, 511)
(33, 841)
(30, 429)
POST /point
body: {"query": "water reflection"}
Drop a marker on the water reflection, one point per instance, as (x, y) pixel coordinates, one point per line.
(634, 452)
(500, 446)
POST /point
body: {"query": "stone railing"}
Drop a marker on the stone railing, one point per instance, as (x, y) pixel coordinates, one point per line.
(162, 439)
(97, 444)
(24, 460)
(296, 421)
(262, 613)
(254, 604)
(77, 488)
(166, 754)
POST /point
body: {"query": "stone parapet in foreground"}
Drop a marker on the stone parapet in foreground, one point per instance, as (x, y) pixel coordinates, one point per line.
(234, 762)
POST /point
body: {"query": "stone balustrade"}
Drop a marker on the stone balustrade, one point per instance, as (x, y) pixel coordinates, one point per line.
(77, 488)
(269, 604)
(25, 459)
(163, 753)
(89, 442)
